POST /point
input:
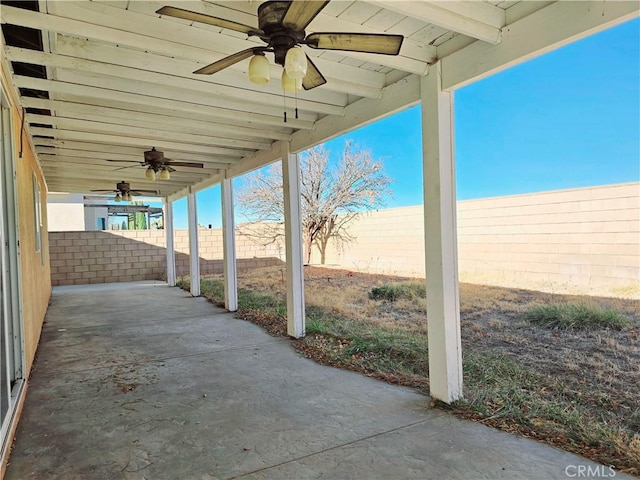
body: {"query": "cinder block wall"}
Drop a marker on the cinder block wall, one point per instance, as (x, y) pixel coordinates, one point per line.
(571, 241)
(583, 240)
(129, 255)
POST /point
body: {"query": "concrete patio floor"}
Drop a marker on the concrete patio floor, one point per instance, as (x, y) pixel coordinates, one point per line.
(141, 381)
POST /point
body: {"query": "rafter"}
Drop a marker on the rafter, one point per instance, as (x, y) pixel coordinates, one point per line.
(108, 151)
(112, 29)
(134, 141)
(544, 30)
(152, 114)
(112, 128)
(474, 19)
(220, 95)
(57, 86)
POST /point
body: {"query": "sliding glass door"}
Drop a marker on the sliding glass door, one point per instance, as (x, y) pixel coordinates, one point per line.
(11, 340)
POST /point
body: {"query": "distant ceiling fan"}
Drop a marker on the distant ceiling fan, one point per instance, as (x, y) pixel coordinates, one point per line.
(123, 192)
(157, 164)
(282, 27)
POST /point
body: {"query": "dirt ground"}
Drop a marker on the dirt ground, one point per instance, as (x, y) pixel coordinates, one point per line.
(607, 363)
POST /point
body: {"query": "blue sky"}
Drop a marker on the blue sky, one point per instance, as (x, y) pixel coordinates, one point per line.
(570, 118)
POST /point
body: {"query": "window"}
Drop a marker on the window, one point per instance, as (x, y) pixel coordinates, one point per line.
(37, 213)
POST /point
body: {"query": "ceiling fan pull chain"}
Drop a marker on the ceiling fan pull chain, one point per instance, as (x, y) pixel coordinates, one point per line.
(284, 105)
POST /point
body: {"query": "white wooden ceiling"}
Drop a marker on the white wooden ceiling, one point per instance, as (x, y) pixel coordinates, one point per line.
(119, 79)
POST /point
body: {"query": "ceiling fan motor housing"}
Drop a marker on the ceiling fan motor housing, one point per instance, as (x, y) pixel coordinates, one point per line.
(123, 186)
(153, 155)
(278, 36)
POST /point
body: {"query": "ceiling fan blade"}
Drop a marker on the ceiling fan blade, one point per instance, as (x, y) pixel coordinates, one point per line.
(313, 78)
(143, 192)
(226, 62)
(301, 12)
(123, 168)
(103, 191)
(123, 161)
(186, 164)
(171, 169)
(208, 19)
(357, 42)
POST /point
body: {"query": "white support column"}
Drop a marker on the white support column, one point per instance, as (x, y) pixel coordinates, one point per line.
(194, 253)
(171, 254)
(293, 242)
(443, 306)
(229, 247)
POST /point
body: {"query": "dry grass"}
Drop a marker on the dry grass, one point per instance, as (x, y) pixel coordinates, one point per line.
(577, 389)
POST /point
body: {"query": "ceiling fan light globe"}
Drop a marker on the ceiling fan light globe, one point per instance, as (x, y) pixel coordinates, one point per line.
(127, 197)
(295, 63)
(150, 174)
(259, 69)
(290, 85)
(164, 174)
(118, 198)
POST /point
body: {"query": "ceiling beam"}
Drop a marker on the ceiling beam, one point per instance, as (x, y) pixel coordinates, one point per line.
(411, 50)
(133, 141)
(78, 162)
(155, 26)
(152, 122)
(85, 22)
(74, 156)
(154, 115)
(161, 92)
(462, 17)
(57, 86)
(221, 95)
(50, 146)
(543, 31)
(112, 128)
(92, 171)
(238, 78)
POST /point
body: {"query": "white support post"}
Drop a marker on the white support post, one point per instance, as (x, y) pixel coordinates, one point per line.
(293, 243)
(443, 306)
(229, 247)
(171, 254)
(194, 253)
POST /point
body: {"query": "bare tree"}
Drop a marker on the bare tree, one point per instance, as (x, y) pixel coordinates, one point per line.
(331, 197)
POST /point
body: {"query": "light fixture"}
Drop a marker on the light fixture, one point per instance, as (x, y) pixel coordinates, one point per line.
(127, 197)
(118, 198)
(259, 69)
(290, 85)
(164, 174)
(150, 174)
(295, 63)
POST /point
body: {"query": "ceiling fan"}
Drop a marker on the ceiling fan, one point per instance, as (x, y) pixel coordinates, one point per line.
(123, 192)
(282, 27)
(156, 163)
